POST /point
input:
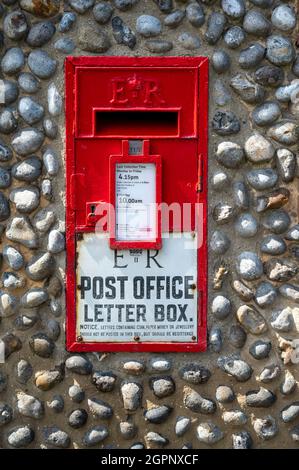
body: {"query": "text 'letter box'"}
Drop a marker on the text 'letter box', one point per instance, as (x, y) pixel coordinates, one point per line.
(136, 165)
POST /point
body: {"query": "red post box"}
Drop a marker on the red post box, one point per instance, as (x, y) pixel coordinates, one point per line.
(136, 167)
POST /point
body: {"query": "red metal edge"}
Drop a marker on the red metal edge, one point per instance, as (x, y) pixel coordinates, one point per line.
(71, 63)
(141, 245)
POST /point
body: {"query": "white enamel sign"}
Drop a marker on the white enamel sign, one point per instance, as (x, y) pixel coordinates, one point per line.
(137, 295)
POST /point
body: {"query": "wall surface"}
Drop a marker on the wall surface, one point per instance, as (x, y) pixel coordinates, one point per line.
(243, 391)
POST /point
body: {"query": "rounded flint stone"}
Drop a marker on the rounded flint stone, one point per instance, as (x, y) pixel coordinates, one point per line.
(223, 213)
(95, 435)
(76, 393)
(280, 50)
(221, 307)
(266, 113)
(5, 178)
(273, 245)
(67, 21)
(42, 64)
(249, 266)
(148, 26)
(285, 132)
(251, 56)
(79, 364)
(189, 41)
(215, 27)
(27, 170)
(261, 179)
(157, 415)
(209, 433)
(195, 14)
(269, 75)
(256, 23)
(40, 33)
(197, 403)
(241, 195)
(246, 225)
(220, 61)
(20, 436)
(277, 221)
(247, 89)
(230, 154)
(284, 17)
(30, 110)
(13, 61)
(235, 367)
(81, 6)
(225, 394)
(262, 398)
(77, 418)
(234, 37)
(219, 242)
(4, 207)
(182, 425)
(195, 373)
(8, 121)
(242, 440)
(220, 180)
(251, 319)
(237, 336)
(265, 428)
(13, 257)
(55, 102)
(258, 149)
(40, 266)
(225, 123)
(174, 18)
(260, 349)
(15, 25)
(215, 340)
(27, 140)
(233, 8)
(102, 12)
(28, 82)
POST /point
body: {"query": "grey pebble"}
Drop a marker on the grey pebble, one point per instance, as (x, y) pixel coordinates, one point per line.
(104, 381)
(221, 307)
(215, 27)
(256, 23)
(6, 414)
(285, 132)
(235, 9)
(234, 37)
(42, 64)
(289, 384)
(4, 207)
(194, 373)
(47, 189)
(223, 213)
(220, 180)
(41, 344)
(286, 164)
(156, 439)
(280, 50)
(76, 393)
(81, 6)
(258, 149)
(30, 110)
(209, 433)
(197, 403)
(148, 26)
(50, 161)
(25, 198)
(78, 364)
(55, 437)
(9, 91)
(56, 404)
(189, 41)
(241, 195)
(50, 128)
(277, 221)
(225, 123)
(13, 61)
(266, 113)
(158, 46)
(102, 12)
(284, 18)
(234, 366)
(251, 56)
(290, 292)
(270, 373)
(20, 436)
(174, 18)
(8, 121)
(261, 398)
(237, 336)
(219, 242)
(261, 179)
(13, 257)
(5, 178)
(195, 14)
(67, 21)
(77, 418)
(15, 25)
(131, 395)
(273, 245)
(215, 339)
(260, 349)
(221, 94)
(162, 386)
(27, 170)
(283, 320)
(265, 428)
(65, 45)
(247, 89)
(220, 61)
(95, 435)
(28, 82)
(182, 425)
(290, 412)
(40, 266)
(40, 33)
(242, 440)
(225, 394)
(249, 266)
(157, 414)
(27, 141)
(56, 242)
(24, 371)
(246, 225)
(269, 75)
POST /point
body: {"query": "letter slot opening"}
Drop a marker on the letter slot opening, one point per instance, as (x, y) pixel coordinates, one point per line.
(140, 123)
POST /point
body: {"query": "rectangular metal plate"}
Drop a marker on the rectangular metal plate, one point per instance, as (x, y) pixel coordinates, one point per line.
(137, 295)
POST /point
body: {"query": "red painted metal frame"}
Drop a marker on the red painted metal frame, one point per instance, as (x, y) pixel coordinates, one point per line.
(74, 344)
(145, 158)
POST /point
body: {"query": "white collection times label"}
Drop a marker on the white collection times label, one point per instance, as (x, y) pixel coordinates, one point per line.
(135, 202)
